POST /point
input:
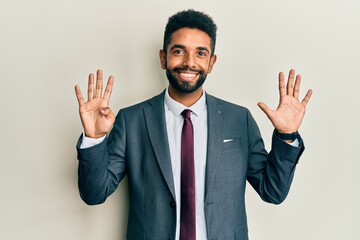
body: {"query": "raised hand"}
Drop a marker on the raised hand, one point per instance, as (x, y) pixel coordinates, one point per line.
(96, 116)
(290, 112)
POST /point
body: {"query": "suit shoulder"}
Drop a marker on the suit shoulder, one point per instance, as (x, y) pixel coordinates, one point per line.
(226, 105)
(136, 108)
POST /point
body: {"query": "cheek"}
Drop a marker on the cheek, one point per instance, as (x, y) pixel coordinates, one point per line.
(206, 67)
(170, 62)
(210, 66)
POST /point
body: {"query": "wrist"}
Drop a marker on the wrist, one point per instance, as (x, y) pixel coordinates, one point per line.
(94, 136)
(287, 137)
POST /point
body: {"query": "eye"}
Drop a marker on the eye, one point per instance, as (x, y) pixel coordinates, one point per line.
(178, 51)
(202, 53)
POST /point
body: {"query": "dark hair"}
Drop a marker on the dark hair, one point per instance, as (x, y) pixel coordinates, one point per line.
(190, 19)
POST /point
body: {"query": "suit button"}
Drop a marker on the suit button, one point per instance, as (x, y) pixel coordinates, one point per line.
(172, 204)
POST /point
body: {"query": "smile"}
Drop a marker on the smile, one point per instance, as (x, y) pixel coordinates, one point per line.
(187, 75)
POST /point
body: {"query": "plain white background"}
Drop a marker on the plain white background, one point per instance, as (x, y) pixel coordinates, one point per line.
(46, 47)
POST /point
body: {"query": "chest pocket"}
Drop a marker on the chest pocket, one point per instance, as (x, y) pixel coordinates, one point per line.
(232, 143)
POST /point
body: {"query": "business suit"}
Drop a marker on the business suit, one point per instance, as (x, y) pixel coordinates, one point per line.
(138, 147)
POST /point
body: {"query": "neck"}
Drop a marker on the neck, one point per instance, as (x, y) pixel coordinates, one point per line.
(186, 99)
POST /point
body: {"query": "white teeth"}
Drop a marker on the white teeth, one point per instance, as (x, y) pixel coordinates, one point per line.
(188, 75)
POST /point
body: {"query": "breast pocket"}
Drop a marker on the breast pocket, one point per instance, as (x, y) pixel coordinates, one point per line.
(234, 154)
(232, 143)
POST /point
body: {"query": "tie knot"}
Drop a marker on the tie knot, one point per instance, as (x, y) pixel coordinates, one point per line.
(186, 113)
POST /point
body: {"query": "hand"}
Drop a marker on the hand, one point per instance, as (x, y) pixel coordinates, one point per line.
(290, 112)
(96, 116)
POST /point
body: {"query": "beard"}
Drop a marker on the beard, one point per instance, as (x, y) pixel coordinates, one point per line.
(185, 87)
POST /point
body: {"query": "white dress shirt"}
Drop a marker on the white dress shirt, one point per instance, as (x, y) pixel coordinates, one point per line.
(174, 124)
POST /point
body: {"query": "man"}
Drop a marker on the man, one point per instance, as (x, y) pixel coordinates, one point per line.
(187, 170)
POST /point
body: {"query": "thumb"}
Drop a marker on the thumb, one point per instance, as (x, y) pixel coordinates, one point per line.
(264, 108)
(108, 114)
(106, 111)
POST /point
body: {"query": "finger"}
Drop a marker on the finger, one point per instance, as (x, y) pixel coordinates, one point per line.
(79, 95)
(265, 109)
(297, 86)
(108, 89)
(290, 83)
(99, 80)
(282, 89)
(307, 97)
(91, 87)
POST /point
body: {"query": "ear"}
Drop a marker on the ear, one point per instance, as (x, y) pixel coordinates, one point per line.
(212, 62)
(162, 56)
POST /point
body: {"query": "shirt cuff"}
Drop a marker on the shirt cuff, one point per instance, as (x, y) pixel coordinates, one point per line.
(294, 143)
(90, 142)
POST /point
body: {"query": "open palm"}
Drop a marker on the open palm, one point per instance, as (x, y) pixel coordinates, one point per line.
(96, 116)
(290, 112)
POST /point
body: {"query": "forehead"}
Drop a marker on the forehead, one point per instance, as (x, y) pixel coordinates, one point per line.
(190, 38)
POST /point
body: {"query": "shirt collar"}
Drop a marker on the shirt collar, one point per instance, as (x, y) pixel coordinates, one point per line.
(176, 108)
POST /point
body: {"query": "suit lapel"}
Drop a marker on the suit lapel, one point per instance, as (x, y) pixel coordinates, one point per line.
(156, 126)
(215, 140)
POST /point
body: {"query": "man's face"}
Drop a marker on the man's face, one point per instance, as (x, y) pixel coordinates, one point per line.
(188, 59)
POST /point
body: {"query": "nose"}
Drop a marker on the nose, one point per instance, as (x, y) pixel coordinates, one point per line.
(189, 61)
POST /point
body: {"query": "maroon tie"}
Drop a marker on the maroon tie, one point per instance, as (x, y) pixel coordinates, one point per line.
(187, 209)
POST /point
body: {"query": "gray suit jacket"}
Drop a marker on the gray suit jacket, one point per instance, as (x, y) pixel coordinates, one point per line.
(138, 147)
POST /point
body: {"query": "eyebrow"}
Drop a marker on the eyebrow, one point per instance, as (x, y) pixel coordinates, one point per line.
(183, 47)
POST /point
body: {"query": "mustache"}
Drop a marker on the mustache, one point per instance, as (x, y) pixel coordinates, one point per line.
(187, 69)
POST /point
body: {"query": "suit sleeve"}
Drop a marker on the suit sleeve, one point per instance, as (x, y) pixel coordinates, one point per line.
(271, 174)
(102, 166)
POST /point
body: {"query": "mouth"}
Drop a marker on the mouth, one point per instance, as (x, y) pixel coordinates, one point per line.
(186, 80)
(187, 74)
